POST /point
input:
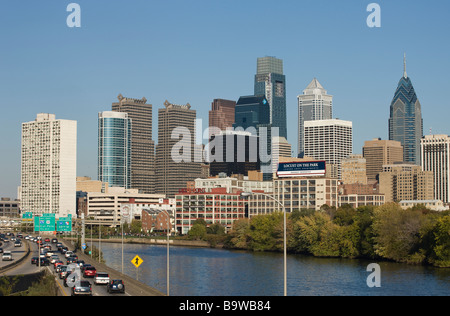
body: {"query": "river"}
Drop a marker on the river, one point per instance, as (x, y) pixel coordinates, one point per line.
(218, 272)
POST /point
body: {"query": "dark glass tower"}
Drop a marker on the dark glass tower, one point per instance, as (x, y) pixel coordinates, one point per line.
(270, 81)
(405, 121)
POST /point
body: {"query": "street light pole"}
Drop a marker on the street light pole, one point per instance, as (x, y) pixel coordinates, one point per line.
(247, 194)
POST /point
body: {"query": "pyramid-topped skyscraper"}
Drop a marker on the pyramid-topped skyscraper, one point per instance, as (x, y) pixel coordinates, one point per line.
(405, 121)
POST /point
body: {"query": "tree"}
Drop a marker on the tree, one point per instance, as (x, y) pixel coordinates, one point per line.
(442, 238)
(397, 233)
(198, 230)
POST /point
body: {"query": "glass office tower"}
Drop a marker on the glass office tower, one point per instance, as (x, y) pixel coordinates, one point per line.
(114, 149)
(270, 81)
(405, 121)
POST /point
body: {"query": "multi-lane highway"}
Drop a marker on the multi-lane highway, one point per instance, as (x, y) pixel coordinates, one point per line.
(132, 286)
(27, 267)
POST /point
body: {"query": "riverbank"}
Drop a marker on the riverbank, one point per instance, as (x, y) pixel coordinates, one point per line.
(150, 241)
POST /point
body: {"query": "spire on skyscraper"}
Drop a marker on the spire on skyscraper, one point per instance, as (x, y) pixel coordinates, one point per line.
(405, 75)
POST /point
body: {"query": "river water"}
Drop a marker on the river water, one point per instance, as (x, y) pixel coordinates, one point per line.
(217, 272)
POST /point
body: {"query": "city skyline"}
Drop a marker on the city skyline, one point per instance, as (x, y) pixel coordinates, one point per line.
(72, 73)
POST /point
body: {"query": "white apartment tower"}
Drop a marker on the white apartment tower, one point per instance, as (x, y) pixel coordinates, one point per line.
(435, 153)
(313, 104)
(329, 140)
(48, 167)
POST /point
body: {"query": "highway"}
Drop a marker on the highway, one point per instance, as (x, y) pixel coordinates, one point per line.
(27, 268)
(132, 287)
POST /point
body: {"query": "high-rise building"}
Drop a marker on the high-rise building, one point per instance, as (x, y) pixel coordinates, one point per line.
(400, 182)
(172, 175)
(49, 166)
(353, 170)
(405, 121)
(378, 152)
(436, 158)
(142, 144)
(114, 149)
(221, 115)
(253, 115)
(233, 153)
(314, 104)
(280, 149)
(271, 82)
(329, 140)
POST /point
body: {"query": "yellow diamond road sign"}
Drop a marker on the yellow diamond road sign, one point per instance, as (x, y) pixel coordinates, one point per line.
(137, 261)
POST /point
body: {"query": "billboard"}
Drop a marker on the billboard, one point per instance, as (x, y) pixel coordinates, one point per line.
(301, 169)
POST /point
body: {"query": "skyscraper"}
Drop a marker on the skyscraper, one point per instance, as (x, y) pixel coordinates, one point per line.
(329, 140)
(313, 104)
(271, 82)
(405, 121)
(114, 149)
(221, 114)
(142, 144)
(171, 175)
(49, 166)
(436, 158)
(378, 152)
(253, 112)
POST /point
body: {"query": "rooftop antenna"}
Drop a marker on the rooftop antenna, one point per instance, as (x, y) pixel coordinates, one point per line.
(404, 66)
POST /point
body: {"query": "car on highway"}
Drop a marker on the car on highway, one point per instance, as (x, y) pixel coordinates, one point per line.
(7, 256)
(34, 260)
(1, 250)
(62, 271)
(82, 288)
(43, 261)
(17, 243)
(89, 272)
(116, 286)
(68, 254)
(101, 278)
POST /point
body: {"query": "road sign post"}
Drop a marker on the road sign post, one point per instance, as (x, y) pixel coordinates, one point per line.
(137, 261)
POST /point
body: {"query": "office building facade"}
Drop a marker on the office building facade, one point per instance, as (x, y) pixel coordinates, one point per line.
(329, 140)
(221, 115)
(314, 104)
(49, 166)
(405, 120)
(400, 182)
(114, 149)
(171, 174)
(271, 82)
(142, 144)
(436, 158)
(378, 152)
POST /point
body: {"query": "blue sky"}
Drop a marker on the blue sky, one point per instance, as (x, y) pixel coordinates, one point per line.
(196, 50)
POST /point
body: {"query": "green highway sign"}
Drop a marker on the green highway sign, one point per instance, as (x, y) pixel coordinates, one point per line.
(64, 224)
(44, 223)
(27, 216)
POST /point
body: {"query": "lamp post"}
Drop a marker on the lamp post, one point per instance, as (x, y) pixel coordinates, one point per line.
(168, 234)
(247, 194)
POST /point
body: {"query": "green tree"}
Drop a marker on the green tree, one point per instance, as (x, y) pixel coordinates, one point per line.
(239, 236)
(442, 242)
(198, 230)
(266, 232)
(397, 233)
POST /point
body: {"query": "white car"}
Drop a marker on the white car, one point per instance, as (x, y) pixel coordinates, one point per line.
(101, 278)
(68, 254)
(7, 256)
